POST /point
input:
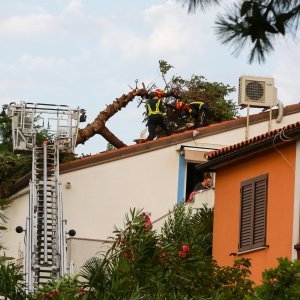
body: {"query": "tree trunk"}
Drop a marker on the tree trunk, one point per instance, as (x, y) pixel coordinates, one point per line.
(111, 138)
(98, 125)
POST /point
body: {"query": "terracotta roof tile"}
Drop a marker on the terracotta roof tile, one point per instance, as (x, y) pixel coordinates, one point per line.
(257, 139)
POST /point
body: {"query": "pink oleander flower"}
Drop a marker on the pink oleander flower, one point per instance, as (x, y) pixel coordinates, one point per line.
(82, 292)
(148, 223)
(185, 248)
(182, 254)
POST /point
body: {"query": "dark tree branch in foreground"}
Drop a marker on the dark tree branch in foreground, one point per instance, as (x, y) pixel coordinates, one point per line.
(258, 22)
(194, 4)
(255, 22)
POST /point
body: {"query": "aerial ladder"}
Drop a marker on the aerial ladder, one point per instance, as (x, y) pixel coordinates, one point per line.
(45, 233)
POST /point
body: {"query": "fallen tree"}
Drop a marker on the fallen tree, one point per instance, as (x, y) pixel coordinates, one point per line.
(98, 125)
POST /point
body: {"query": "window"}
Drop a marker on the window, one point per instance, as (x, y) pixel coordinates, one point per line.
(192, 178)
(253, 213)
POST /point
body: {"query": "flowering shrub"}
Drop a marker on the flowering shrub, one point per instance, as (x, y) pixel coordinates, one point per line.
(67, 288)
(148, 223)
(175, 264)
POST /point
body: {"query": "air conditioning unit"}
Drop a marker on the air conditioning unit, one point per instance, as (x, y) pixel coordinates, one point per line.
(257, 91)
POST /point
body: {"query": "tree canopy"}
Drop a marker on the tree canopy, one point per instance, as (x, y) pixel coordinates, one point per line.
(196, 88)
(254, 22)
(12, 166)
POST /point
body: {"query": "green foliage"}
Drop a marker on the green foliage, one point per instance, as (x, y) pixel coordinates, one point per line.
(143, 264)
(164, 68)
(110, 147)
(5, 134)
(95, 275)
(196, 88)
(12, 167)
(176, 264)
(233, 282)
(11, 280)
(189, 227)
(67, 288)
(282, 282)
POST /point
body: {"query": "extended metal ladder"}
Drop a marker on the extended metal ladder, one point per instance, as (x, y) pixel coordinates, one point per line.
(45, 251)
(45, 239)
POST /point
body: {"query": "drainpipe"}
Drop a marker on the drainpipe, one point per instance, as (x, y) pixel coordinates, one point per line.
(280, 111)
(296, 217)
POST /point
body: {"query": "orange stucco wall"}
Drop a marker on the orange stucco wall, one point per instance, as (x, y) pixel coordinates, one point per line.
(280, 204)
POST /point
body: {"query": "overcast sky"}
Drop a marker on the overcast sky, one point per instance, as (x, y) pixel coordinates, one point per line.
(86, 52)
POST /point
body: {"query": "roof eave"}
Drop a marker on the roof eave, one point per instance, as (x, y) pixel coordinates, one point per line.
(247, 151)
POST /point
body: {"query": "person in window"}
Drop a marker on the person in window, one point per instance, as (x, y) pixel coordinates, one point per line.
(204, 185)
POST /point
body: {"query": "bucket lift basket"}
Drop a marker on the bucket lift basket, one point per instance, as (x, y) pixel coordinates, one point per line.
(31, 119)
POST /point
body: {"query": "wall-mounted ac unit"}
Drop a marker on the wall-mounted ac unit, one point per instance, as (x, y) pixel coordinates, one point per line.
(257, 91)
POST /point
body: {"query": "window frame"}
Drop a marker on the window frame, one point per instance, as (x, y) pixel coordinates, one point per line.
(253, 181)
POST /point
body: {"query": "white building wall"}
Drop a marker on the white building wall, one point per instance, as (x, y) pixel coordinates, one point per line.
(204, 197)
(100, 196)
(81, 250)
(16, 213)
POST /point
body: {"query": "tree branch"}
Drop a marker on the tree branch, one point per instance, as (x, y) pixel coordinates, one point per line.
(98, 125)
(111, 138)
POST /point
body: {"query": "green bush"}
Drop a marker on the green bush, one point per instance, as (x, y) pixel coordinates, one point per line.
(11, 280)
(141, 263)
(282, 282)
(175, 264)
(67, 288)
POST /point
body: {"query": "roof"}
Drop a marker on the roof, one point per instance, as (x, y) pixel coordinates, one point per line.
(163, 142)
(173, 139)
(226, 155)
(276, 135)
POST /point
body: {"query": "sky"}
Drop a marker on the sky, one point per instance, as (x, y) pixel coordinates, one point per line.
(86, 52)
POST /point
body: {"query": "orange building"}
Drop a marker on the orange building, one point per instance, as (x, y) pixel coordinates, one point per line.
(257, 199)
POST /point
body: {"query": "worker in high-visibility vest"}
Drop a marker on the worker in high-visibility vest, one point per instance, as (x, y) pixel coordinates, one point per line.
(155, 113)
(198, 110)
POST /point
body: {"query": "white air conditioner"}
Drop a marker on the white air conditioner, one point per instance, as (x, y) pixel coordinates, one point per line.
(257, 91)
